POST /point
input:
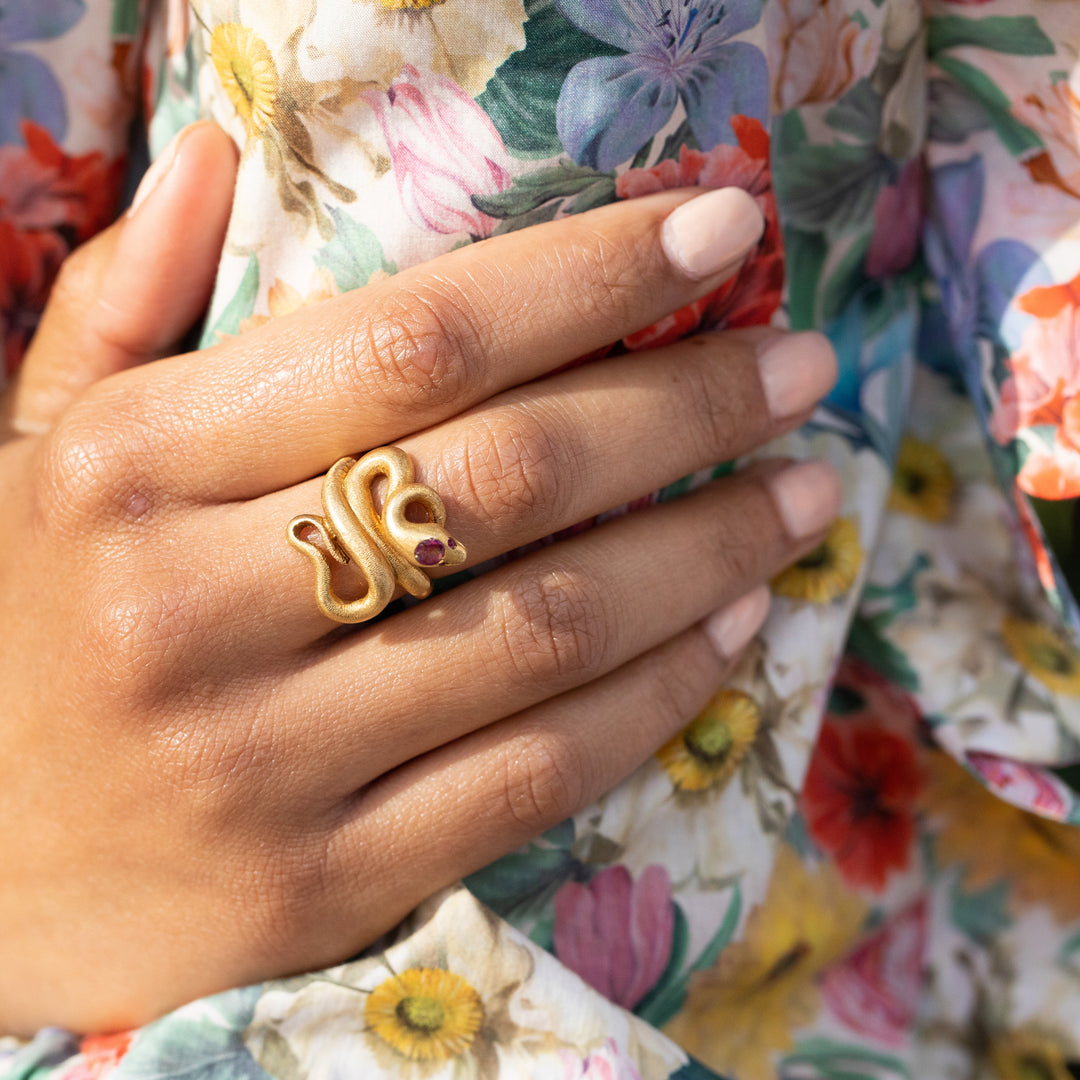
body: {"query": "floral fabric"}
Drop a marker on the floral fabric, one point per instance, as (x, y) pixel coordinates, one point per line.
(862, 860)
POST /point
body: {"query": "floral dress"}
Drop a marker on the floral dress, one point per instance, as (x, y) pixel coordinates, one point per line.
(862, 860)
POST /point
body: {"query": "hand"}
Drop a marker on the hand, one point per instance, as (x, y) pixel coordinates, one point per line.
(203, 781)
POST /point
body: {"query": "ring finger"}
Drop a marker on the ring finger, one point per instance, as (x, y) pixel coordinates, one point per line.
(557, 619)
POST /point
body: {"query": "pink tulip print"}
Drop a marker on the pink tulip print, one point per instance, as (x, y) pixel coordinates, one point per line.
(875, 991)
(615, 932)
(444, 150)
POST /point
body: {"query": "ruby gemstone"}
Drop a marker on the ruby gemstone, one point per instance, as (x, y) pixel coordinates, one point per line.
(429, 552)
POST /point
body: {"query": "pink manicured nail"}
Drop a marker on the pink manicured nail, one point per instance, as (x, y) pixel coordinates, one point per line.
(797, 371)
(713, 232)
(808, 496)
(157, 172)
(732, 627)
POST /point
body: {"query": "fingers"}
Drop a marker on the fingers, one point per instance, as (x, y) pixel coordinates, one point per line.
(366, 369)
(560, 618)
(137, 288)
(492, 791)
(544, 457)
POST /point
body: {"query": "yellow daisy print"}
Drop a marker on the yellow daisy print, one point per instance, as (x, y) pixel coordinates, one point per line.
(828, 571)
(247, 73)
(741, 1012)
(993, 841)
(410, 5)
(923, 483)
(1028, 1055)
(706, 754)
(1043, 653)
(425, 1014)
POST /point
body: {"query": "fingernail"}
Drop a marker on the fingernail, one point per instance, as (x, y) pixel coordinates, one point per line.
(732, 627)
(713, 232)
(156, 173)
(808, 496)
(797, 371)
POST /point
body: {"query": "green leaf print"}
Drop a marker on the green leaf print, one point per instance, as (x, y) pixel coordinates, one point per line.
(806, 252)
(858, 113)
(532, 190)
(983, 914)
(178, 1046)
(866, 642)
(829, 188)
(237, 309)
(836, 1060)
(1017, 35)
(354, 253)
(125, 18)
(521, 96)
(845, 276)
(954, 115)
(1017, 138)
(722, 938)
(519, 876)
(1069, 948)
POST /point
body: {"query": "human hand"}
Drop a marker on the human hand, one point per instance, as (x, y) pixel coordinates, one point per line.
(203, 781)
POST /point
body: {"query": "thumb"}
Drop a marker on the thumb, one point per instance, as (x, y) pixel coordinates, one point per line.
(134, 290)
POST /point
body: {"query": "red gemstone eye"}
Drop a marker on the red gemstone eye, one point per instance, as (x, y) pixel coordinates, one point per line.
(429, 552)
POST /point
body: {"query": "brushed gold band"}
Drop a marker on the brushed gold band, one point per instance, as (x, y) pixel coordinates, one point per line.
(387, 548)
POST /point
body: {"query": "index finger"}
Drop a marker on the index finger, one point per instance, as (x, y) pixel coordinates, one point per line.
(370, 367)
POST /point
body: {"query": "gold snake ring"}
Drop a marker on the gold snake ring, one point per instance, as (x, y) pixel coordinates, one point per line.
(388, 549)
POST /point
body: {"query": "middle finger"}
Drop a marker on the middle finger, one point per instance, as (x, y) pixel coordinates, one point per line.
(547, 456)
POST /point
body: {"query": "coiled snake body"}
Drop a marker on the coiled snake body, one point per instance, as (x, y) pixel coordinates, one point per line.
(388, 549)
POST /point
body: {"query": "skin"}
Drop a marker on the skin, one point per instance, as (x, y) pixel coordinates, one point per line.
(203, 781)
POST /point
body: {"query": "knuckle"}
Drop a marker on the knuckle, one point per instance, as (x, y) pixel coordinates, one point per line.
(609, 276)
(741, 555)
(91, 469)
(750, 547)
(544, 781)
(511, 466)
(416, 350)
(716, 414)
(676, 701)
(140, 632)
(555, 627)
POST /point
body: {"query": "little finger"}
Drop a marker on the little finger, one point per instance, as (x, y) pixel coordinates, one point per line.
(489, 792)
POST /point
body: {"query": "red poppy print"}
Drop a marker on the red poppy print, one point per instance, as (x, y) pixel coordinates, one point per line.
(49, 203)
(752, 296)
(859, 800)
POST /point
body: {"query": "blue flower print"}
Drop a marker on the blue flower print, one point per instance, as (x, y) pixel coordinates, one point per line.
(28, 89)
(676, 50)
(975, 292)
